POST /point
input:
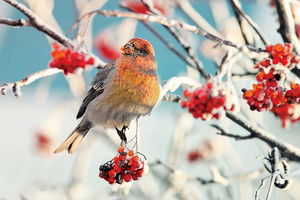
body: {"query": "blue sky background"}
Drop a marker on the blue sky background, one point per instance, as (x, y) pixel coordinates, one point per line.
(25, 50)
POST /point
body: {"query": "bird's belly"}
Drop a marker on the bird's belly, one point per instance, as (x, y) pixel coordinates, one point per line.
(114, 115)
(122, 102)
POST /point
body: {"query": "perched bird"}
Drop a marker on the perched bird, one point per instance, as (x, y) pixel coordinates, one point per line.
(121, 91)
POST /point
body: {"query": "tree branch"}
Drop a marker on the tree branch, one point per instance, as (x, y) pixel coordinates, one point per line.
(238, 8)
(287, 25)
(39, 24)
(236, 137)
(187, 47)
(15, 23)
(16, 86)
(166, 22)
(286, 149)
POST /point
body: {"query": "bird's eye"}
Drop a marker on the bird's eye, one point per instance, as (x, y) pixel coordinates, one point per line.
(142, 52)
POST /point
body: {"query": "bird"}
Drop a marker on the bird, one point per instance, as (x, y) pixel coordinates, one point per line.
(123, 90)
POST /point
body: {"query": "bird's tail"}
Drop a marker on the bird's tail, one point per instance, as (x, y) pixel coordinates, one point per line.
(72, 142)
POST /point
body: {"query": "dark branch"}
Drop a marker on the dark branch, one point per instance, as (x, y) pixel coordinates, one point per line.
(187, 47)
(15, 23)
(237, 137)
(237, 8)
(287, 25)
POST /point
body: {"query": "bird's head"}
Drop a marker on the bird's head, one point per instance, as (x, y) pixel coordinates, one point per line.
(138, 47)
(142, 52)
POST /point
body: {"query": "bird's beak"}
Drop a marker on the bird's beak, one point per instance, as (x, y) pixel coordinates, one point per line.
(127, 49)
(123, 50)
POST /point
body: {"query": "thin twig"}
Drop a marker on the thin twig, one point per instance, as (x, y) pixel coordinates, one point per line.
(236, 137)
(190, 11)
(187, 47)
(287, 149)
(137, 135)
(166, 22)
(263, 182)
(15, 23)
(169, 45)
(237, 7)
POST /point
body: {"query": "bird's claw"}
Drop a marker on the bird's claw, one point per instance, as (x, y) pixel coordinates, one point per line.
(122, 135)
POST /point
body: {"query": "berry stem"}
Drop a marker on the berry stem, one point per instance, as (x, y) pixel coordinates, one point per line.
(137, 135)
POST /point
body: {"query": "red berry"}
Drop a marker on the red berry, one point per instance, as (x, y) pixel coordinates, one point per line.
(127, 177)
(112, 173)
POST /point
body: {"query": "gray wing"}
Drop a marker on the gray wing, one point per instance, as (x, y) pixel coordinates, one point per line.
(97, 87)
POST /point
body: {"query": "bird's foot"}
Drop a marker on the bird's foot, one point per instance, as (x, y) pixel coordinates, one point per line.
(122, 135)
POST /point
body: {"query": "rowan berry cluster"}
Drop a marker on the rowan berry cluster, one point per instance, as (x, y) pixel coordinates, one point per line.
(126, 166)
(209, 101)
(68, 60)
(268, 94)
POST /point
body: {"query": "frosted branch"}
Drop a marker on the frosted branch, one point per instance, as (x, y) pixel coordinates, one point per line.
(287, 25)
(272, 165)
(38, 23)
(16, 86)
(15, 23)
(174, 83)
(187, 47)
(238, 8)
(166, 22)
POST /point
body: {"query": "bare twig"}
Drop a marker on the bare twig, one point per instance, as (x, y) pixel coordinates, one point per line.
(236, 137)
(15, 23)
(187, 47)
(237, 7)
(287, 149)
(188, 9)
(166, 22)
(169, 45)
(263, 182)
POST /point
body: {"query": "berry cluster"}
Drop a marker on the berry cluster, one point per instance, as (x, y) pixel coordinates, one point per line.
(268, 94)
(126, 166)
(210, 101)
(68, 60)
(288, 113)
